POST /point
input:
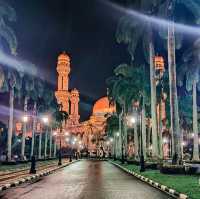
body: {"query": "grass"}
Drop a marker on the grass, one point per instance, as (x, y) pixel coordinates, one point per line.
(4, 168)
(186, 184)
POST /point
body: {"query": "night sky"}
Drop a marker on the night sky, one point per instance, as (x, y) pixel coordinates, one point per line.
(85, 29)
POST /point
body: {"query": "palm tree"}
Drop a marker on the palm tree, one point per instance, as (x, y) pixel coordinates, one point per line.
(193, 7)
(131, 32)
(12, 84)
(36, 95)
(7, 34)
(48, 98)
(127, 86)
(190, 69)
(7, 13)
(112, 126)
(60, 117)
(28, 87)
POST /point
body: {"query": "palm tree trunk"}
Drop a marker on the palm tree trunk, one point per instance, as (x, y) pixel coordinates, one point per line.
(55, 148)
(10, 125)
(153, 97)
(160, 131)
(120, 136)
(125, 132)
(24, 129)
(34, 127)
(144, 131)
(40, 146)
(195, 124)
(45, 144)
(50, 144)
(175, 128)
(148, 139)
(136, 140)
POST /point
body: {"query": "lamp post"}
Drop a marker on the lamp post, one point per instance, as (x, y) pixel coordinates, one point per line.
(54, 150)
(25, 120)
(60, 152)
(45, 120)
(142, 166)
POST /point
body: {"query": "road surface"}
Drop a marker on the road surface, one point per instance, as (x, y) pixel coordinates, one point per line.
(86, 180)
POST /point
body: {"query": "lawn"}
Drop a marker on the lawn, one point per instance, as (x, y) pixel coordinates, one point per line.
(188, 185)
(6, 168)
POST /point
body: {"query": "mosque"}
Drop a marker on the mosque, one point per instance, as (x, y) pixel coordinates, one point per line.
(89, 133)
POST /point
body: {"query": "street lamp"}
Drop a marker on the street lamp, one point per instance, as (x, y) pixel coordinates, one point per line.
(45, 120)
(60, 155)
(132, 120)
(25, 118)
(66, 133)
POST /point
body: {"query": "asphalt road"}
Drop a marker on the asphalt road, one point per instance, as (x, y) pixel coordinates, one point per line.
(86, 180)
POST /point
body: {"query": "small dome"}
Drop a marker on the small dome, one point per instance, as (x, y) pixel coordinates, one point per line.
(102, 106)
(75, 91)
(63, 57)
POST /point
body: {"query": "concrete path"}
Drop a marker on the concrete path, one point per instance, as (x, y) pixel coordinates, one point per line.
(86, 180)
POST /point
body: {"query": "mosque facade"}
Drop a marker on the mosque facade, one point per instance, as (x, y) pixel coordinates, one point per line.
(89, 133)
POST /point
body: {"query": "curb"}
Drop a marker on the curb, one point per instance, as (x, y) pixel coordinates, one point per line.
(152, 183)
(33, 177)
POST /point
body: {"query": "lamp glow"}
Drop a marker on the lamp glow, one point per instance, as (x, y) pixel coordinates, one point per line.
(66, 133)
(45, 119)
(132, 120)
(25, 118)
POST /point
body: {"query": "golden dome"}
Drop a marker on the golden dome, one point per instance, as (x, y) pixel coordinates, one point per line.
(102, 106)
(63, 57)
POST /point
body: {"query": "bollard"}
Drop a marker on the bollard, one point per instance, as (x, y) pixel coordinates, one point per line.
(33, 163)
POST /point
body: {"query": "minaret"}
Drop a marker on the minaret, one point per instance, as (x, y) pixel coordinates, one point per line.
(63, 69)
(74, 113)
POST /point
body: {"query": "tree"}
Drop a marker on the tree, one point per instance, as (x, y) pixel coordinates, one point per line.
(193, 7)
(36, 95)
(190, 71)
(127, 86)
(28, 87)
(7, 34)
(131, 32)
(112, 127)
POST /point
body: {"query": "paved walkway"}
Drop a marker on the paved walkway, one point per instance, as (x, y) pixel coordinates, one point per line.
(86, 180)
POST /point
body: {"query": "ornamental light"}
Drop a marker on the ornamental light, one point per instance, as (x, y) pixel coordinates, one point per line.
(45, 119)
(25, 118)
(159, 63)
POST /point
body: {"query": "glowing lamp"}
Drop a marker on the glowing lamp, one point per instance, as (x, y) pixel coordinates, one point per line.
(38, 127)
(136, 104)
(159, 63)
(132, 120)
(165, 140)
(183, 143)
(25, 118)
(45, 120)
(117, 134)
(55, 133)
(18, 126)
(66, 133)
